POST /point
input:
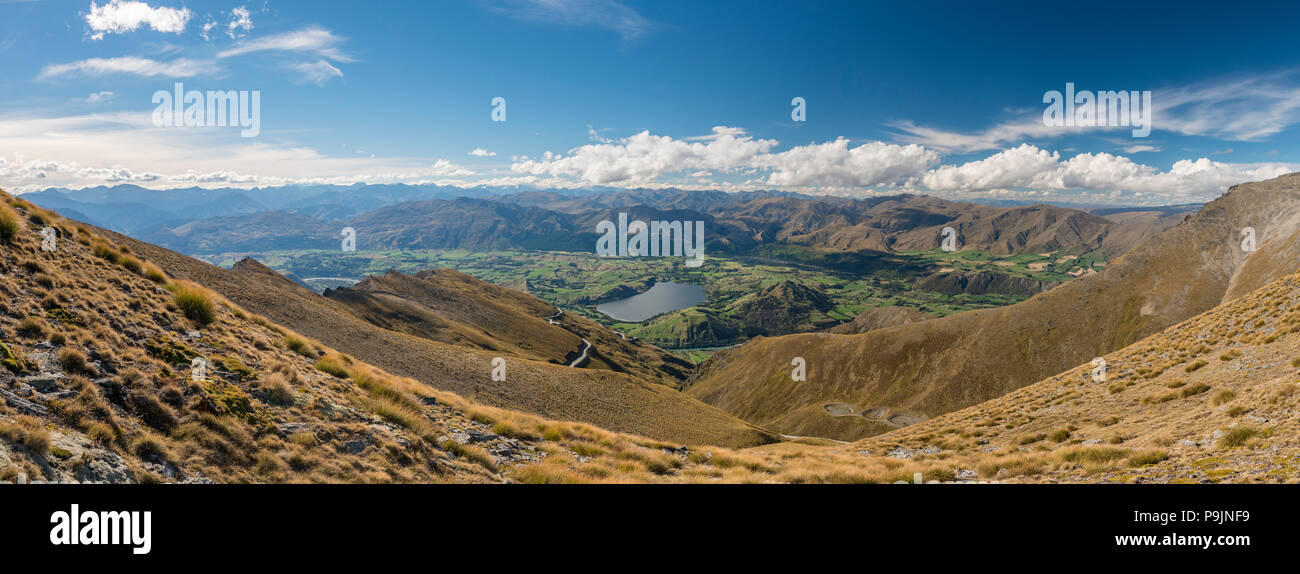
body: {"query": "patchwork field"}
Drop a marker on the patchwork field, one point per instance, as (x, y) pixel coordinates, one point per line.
(741, 300)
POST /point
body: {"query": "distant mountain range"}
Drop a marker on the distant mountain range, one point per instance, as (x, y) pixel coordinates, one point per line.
(201, 221)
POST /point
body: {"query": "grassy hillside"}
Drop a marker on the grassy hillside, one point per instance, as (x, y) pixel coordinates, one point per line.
(925, 369)
(609, 399)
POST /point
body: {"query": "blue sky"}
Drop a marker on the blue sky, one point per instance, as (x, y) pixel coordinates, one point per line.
(943, 98)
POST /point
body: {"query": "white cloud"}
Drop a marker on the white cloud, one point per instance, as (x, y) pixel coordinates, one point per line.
(318, 72)
(313, 40)
(1249, 108)
(207, 28)
(319, 43)
(117, 17)
(1016, 167)
(239, 20)
(836, 164)
(91, 149)
(480, 152)
(100, 97)
(643, 157)
(178, 68)
(1027, 166)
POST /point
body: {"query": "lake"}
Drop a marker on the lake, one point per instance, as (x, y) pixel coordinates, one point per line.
(661, 298)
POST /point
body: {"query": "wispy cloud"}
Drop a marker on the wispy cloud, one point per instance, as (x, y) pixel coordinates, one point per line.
(312, 40)
(117, 17)
(1249, 108)
(130, 65)
(318, 72)
(319, 44)
(608, 14)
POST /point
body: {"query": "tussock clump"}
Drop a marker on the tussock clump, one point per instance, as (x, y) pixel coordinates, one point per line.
(332, 366)
(27, 431)
(74, 361)
(278, 390)
(10, 224)
(153, 273)
(299, 345)
(1238, 436)
(195, 303)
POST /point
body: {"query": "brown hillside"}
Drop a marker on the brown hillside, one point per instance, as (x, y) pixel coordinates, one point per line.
(925, 369)
(611, 400)
(879, 318)
(1211, 399)
(451, 307)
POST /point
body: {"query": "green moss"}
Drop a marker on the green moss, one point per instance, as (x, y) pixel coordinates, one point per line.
(238, 367)
(12, 360)
(63, 316)
(60, 453)
(170, 351)
(226, 399)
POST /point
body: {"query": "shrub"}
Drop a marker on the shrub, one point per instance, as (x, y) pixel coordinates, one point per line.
(74, 361)
(12, 359)
(27, 431)
(100, 433)
(1237, 436)
(303, 439)
(195, 304)
(1196, 389)
(32, 327)
(1223, 397)
(130, 263)
(278, 391)
(103, 251)
(149, 444)
(153, 273)
(298, 345)
(331, 366)
(1094, 455)
(152, 411)
(1031, 439)
(10, 224)
(1147, 457)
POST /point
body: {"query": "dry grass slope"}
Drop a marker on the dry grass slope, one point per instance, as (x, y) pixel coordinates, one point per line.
(932, 367)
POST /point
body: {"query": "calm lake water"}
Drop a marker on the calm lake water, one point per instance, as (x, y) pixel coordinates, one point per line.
(661, 298)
